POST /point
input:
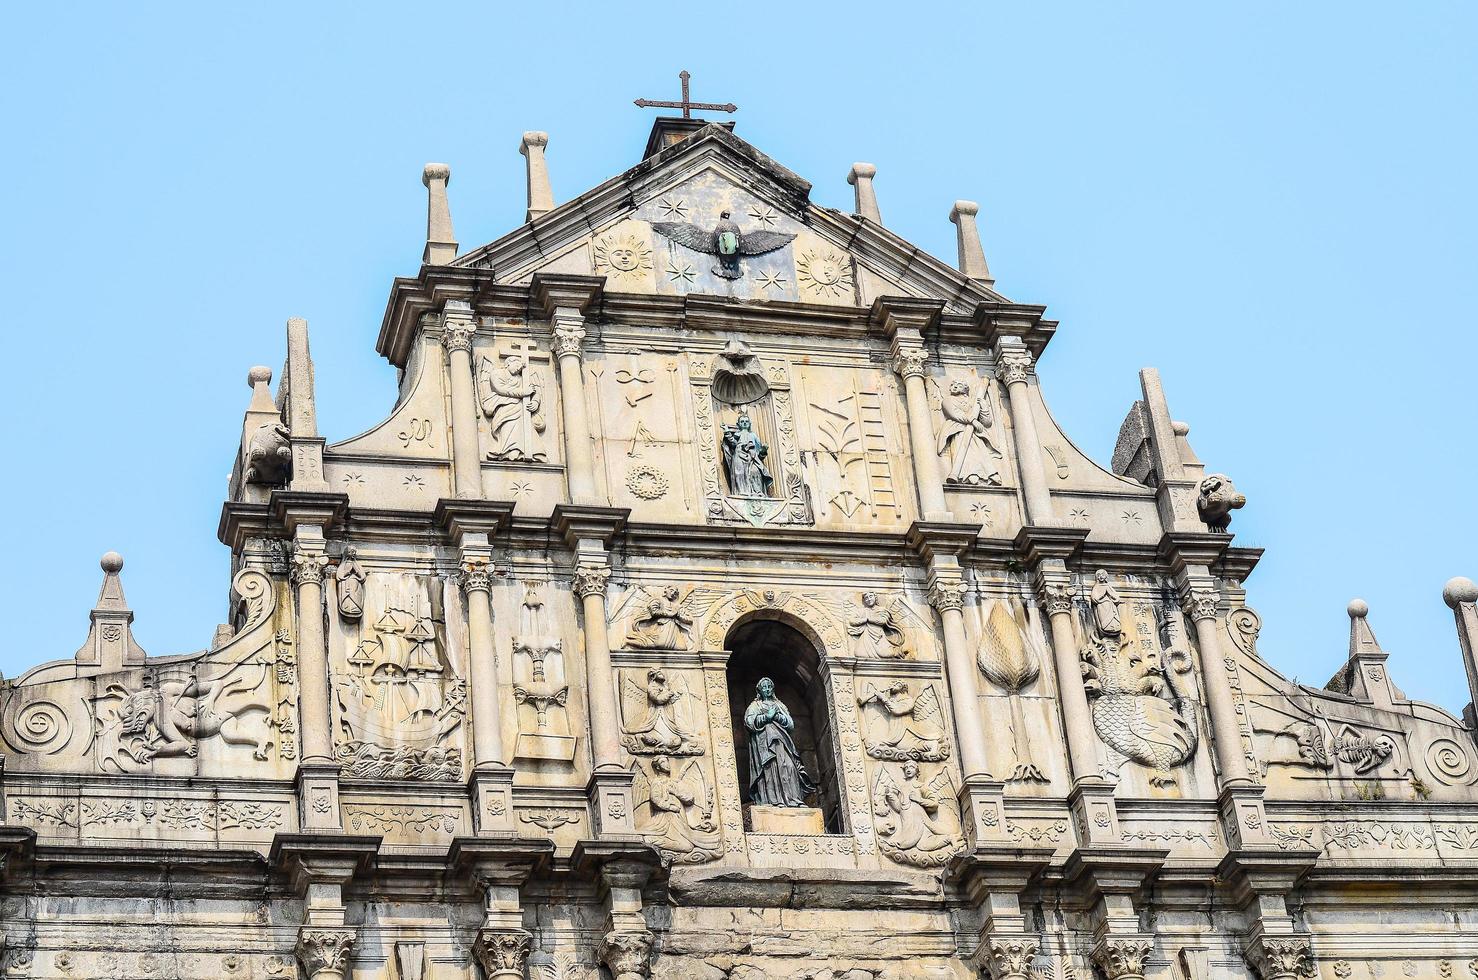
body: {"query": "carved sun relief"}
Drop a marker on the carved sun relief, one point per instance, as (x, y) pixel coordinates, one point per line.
(624, 258)
(823, 273)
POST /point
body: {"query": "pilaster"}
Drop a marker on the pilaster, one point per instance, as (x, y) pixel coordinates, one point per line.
(498, 869)
(903, 320)
(1013, 363)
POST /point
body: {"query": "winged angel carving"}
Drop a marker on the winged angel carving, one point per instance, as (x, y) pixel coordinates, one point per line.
(725, 240)
(676, 811)
(915, 817)
(903, 726)
(662, 712)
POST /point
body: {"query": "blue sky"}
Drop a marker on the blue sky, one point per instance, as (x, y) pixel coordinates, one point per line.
(1273, 204)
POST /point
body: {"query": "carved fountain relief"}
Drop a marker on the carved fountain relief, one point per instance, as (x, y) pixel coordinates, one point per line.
(1010, 659)
(541, 689)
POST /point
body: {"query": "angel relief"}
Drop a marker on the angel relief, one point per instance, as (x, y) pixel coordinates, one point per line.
(875, 630)
(663, 626)
(661, 715)
(900, 725)
(916, 818)
(676, 811)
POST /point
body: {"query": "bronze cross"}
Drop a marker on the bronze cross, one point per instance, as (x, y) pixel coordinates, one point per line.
(686, 106)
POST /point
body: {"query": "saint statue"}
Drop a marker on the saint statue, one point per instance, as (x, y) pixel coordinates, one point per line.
(664, 627)
(507, 395)
(744, 460)
(874, 631)
(350, 578)
(776, 775)
(964, 436)
(1105, 599)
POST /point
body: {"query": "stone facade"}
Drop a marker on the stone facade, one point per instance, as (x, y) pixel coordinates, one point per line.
(479, 710)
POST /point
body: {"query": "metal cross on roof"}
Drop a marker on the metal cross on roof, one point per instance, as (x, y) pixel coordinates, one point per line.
(686, 106)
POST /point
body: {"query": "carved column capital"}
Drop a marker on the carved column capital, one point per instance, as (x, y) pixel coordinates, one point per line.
(1282, 958)
(1009, 958)
(590, 579)
(502, 953)
(1201, 602)
(569, 333)
(1013, 364)
(325, 952)
(627, 954)
(307, 567)
(1122, 958)
(457, 335)
(476, 576)
(947, 592)
(1057, 596)
(910, 361)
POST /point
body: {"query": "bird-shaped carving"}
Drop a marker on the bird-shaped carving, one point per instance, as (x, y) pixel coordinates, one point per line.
(1137, 712)
(726, 241)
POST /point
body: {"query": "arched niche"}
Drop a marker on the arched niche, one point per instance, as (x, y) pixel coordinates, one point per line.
(773, 644)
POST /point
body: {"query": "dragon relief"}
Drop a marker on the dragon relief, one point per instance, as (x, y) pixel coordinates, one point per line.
(398, 699)
(1137, 710)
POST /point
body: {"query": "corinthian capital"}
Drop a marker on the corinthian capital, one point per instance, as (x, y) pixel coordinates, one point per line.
(1283, 959)
(591, 579)
(569, 334)
(627, 954)
(502, 953)
(457, 335)
(1013, 364)
(1009, 959)
(476, 576)
(910, 361)
(308, 568)
(947, 593)
(1201, 602)
(325, 952)
(1057, 597)
(1122, 958)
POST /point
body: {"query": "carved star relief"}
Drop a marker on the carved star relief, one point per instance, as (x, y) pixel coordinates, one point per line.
(768, 280)
(673, 207)
(678, 271)
(765, 216)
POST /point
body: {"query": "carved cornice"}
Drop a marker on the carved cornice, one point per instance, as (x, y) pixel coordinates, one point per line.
(325, 952)
(1282, 958)
(549, 293)
(502, 953)
(627, 955)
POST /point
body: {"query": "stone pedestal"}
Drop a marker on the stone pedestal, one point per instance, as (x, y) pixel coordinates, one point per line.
(803, 820)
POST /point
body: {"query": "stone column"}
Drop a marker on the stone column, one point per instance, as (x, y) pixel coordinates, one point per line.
(441, 241)
(946, 595)
(541, 196)
(1200, 599)
(457, 331)
(309, 562)
(1056, 594)
(860, 177)
(605, 736)
(1013, 366)
(325, 952)
(502, 953)
(569, 333)
(909, 362)
(1461, 596)
(482, 666)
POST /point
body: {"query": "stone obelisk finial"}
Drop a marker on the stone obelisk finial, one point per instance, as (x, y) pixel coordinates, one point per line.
(541, 198)
(860, 177)
(972, 256)
(441, 241)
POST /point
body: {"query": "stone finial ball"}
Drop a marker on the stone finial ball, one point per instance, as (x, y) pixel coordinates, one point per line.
(963, 207)
(1180, 428)
(259, 375)
(1459, 590)
(861, 170)
(1358, 609)
(112, 563)
(435, 171)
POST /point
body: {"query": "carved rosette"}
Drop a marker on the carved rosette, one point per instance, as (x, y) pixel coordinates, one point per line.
(946, 594)
(627, 955)
(476, 576)
(457, 336)
(589, 580)
(1014, 366)
(307, 568)
(1283, 959)
(502, 953)
(325, 952)
(1009, 959)
(910, 361)
(1057, 597)
(1201, 603)
(1122, 959)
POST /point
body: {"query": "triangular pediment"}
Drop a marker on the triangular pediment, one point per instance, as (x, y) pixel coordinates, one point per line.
(655, 230)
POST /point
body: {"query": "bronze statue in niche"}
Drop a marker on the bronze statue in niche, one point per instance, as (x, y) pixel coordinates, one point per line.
(777, 777)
